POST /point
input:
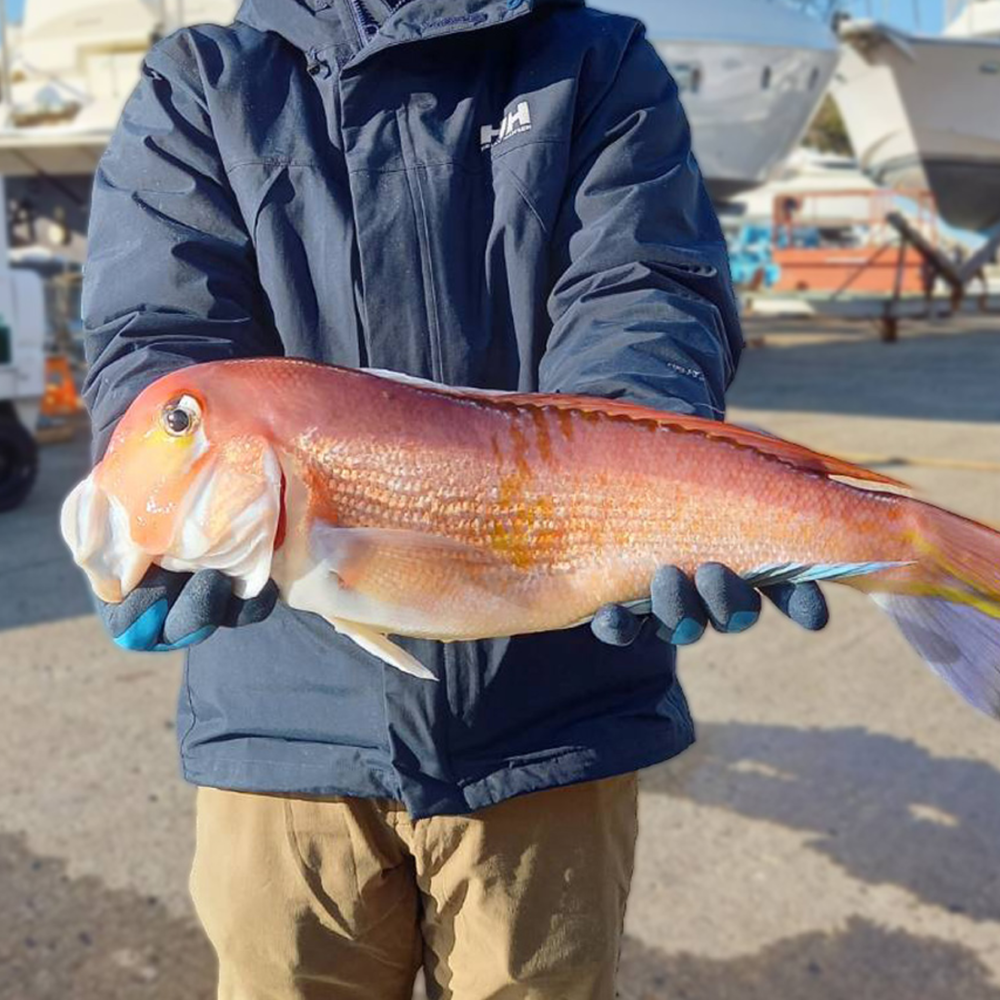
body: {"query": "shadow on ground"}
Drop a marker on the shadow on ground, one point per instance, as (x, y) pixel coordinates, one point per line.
(38, 580)
(75, 938)
(924, 377)
(62, 937)
(863, 962)
(884, 809)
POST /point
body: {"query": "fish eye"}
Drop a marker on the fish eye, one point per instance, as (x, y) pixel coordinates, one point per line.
(181, 416)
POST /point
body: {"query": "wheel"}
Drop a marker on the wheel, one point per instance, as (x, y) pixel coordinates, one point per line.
(18, 460)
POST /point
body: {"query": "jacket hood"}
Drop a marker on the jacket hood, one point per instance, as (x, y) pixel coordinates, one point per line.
(315, 25)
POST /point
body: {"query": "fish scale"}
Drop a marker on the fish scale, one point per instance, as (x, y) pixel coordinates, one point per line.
(547, 505)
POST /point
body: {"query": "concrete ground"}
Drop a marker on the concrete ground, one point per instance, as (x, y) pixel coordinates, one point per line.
(835, 834)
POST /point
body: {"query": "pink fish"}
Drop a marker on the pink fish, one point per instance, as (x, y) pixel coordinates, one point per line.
(392, 506)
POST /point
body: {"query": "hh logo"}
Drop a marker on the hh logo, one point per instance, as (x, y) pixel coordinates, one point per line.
(515, 122)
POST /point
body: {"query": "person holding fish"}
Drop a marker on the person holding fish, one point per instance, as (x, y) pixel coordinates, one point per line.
(497, 194)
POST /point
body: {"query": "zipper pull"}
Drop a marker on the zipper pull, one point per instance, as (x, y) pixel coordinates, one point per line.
(316, 66)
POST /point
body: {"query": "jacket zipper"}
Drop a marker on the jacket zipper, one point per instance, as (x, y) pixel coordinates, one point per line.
(363, 20)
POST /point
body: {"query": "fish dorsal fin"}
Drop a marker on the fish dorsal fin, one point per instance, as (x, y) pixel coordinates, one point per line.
(791, 454)
(740, 437)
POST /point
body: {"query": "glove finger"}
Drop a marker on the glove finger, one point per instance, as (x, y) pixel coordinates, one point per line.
(615, 625)
(137, 622)
(199, 609)
(733, 605)
(249, 612)
(802, 602)
(677, 606)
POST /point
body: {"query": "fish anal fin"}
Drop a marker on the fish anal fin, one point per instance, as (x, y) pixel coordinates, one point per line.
(382, 647)
(777, 573)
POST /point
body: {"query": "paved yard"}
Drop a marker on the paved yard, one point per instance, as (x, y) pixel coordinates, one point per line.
(835, 835)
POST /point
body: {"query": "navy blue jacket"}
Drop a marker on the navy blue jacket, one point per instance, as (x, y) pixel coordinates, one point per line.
(494, 193)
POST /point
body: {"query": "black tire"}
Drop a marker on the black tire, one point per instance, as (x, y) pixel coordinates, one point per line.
(18, 460)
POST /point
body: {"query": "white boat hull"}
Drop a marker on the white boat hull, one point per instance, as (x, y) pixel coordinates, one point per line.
(752, 74)
(925, 113)
(743, 131)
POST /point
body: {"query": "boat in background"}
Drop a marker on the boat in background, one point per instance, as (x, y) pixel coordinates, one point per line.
(922, 111)
(752, 74)
(806, 171)
(820, 226)
(823, 225)
(70, 66)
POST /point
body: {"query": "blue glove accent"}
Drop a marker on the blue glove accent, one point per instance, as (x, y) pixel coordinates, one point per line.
(677, 607)
(143, 633)
(192, 640)
(741, 621)
(170, 611)
(688, 631)
(732, 604)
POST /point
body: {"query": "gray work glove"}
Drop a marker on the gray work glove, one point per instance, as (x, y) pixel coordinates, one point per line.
(684, 607)
(169, 611)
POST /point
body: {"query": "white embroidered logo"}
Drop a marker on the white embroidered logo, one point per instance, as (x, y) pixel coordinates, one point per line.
(514, 123)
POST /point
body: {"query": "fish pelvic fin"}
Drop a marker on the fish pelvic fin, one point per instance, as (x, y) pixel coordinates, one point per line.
(947, 602)
(382, 647)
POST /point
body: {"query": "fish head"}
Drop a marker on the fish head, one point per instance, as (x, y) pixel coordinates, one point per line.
(190, 481)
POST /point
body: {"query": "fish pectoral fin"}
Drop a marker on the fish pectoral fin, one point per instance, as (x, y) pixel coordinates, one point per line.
(381, 646)
(352, 554)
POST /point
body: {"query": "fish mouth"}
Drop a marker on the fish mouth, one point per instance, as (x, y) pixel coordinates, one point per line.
(209, 532)
(95, 526)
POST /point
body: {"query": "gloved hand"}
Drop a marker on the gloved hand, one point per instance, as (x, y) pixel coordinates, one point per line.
(169, 611)
(683, 607)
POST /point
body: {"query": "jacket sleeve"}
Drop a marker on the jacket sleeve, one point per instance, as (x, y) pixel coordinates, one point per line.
(642, 307)
(171, 276)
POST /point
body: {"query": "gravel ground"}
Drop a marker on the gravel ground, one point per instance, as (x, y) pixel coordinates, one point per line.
(834, 834)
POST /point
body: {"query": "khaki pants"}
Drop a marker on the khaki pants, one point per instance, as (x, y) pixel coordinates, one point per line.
(344, 899)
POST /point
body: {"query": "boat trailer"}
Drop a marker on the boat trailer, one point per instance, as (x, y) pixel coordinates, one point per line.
(878, 290)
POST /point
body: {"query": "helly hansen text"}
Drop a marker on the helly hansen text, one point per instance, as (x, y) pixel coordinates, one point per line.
(514, 123)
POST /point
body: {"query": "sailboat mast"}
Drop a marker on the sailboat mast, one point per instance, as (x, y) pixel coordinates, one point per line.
(5, 79)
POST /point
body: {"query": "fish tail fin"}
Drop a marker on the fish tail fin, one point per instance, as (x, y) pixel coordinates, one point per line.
(947, 602)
